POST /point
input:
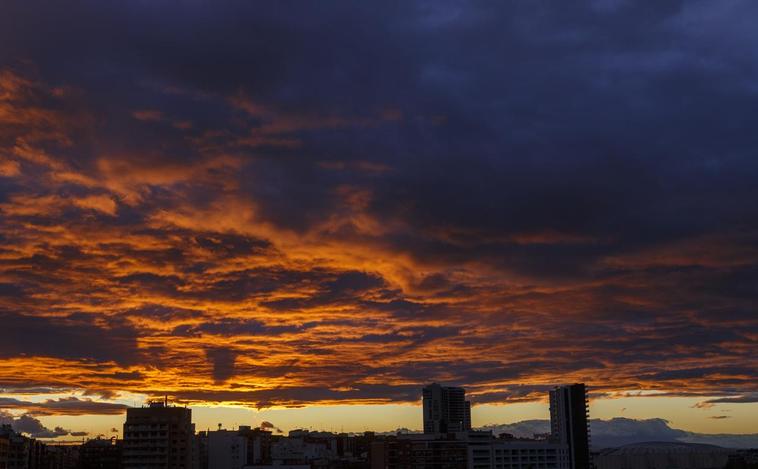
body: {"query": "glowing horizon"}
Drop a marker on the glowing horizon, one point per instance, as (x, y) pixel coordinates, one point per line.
(290, 212)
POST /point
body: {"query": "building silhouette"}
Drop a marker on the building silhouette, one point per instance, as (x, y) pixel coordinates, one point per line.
(569, 423)
(158, 436)
(18, 451)
(445, 409)
(258, 444)
(419, 451)
(100, 453)
(449, 443)
(227, 449)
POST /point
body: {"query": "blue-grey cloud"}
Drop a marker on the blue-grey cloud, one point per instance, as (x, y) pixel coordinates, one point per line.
(368, 191)
(623, 431)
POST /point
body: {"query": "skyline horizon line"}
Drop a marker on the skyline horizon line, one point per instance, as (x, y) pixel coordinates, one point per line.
(260, 414)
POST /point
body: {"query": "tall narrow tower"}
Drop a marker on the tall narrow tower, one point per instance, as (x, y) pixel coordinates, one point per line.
(569, 422)
(446, 409)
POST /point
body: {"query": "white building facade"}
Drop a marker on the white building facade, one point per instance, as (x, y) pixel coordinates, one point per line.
(518, 455)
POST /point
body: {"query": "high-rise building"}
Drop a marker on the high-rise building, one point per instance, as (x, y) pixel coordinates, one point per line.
(569, 423)
(158, 436)
(446, 409)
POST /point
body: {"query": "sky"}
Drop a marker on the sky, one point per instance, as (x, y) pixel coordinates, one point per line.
(302, 212)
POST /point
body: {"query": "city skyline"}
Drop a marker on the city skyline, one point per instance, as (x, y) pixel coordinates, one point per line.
(301, 213)
(161, 435)
(608, 433)
(387, 419)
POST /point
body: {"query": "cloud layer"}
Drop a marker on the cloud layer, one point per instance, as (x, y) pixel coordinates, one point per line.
(623, 431)
(285, 203)
(31, 426)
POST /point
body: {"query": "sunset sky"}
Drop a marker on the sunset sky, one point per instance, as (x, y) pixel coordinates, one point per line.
(302, 212)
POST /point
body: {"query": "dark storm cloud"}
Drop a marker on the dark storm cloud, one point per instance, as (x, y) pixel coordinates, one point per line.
(229, 327)
(163, 313)
(585, 101)
(413, 334)
(334, 288)
(64, 406)
(689, 373)
(222, 361)
(11, 290)
(395, 183)
(123, 375)
(31, 426)
(294, 396)
(229, 245)
(72, 337)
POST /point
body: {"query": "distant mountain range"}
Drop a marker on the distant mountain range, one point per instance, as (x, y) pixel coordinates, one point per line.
(623, 431)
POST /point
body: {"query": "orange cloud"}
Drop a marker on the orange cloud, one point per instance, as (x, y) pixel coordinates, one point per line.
(100, 203)
(10, 168)
(166, 269)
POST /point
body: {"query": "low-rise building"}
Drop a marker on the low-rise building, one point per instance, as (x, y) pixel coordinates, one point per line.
(65, 456)
(471, 450)
(100, 453)
(19, 448)
(663, 455)
(258, 444)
